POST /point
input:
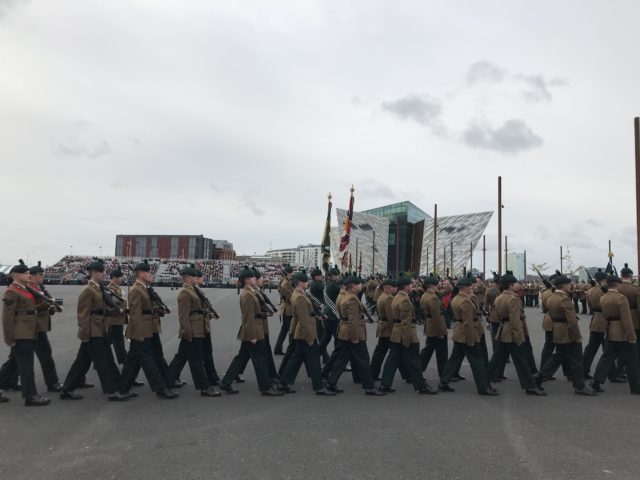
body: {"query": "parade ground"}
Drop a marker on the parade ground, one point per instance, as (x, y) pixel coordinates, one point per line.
(457, 435)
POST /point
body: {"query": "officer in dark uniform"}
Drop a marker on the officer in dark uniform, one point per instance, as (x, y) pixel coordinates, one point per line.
(20, 328)
(316, 289)
(330, 295)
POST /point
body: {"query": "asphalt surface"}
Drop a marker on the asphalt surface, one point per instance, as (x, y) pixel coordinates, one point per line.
(459, 435)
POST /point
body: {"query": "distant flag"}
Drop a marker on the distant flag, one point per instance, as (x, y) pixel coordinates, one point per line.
(326, 239)
(346, 232)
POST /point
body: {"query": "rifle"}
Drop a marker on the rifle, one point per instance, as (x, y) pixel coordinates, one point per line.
(317, 307)
(592, 282)
(265, 307)
(46, 297)
(546, 282)
(269, 302)
(207, 304)
(156, 298)
(110, 299)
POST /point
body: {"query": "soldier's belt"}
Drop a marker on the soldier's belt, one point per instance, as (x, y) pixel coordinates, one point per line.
(258, 317)
(196, 312)
(614, 319)
(559, 320)
(25, 312)
(146, 311)
(98, 311)
(596, 309)
(504, 319)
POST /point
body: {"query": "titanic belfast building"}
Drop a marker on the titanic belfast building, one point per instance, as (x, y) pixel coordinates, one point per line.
(400, 238)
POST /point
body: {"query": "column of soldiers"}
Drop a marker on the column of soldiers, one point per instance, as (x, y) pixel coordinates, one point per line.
(335, 304)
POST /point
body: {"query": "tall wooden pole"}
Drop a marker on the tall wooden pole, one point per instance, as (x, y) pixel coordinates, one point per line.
(506, 254)
(561, 258)
(484, 257)
(444, 258)
(636, 124)
(452, 272)
(357, 254)
(499, 225)
(471, 257)
(373, 254)
(435, 239)
(427, 259)
(525, 265)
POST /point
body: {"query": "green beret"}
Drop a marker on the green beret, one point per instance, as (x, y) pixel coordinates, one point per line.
(287, 269)
(300, 277)
(352, 280)
(117, 273)
(561, 280)
(508, 278)
(315, 272)
(430, 280)
(600, 275)
(389, 282)
(199, 273)
(20, 268)
(613, 279)
(256, 273)
(37, 269)
(143, 266)
(190, 270)
(626, 271)
(246, 273)
(403, 281)
(96, 266)
(334, 271)
(465, 282)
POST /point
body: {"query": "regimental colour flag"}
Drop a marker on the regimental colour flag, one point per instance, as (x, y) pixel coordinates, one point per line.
(346, 233)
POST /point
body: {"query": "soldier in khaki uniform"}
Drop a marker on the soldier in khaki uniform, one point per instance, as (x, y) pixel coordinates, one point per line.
(490, 296)
(306, 340)
(370, 292)
(385, 326)
(466, 341)
(140, 331)
(45, 310)
(632, 292)
(621, 338)
(566, 338)
(118, 319)
(286, 289)
(353, 340)
(598, 325)
(251, 336)
(93, 328)
(404, 342)
(547, 326)
(191, 317)
(20, 329)
(207, 344)
(435, 327)
(511, 336)
(479, 291)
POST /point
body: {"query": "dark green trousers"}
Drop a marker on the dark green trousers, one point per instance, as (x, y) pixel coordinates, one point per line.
(475, 358)
(519, 355)
(96, 350)
(284, 331)
(192, 352)
(116, 334)
(629, 354)
(209, 365)
(440, 347)
(494, 344)
(142, 355)
(358, 355)
(256, 354)
(570, 355)
(379, 353)
(310, 356)
(410, 356)
(22, 361)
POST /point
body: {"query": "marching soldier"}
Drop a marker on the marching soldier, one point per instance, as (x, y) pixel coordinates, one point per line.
(286, 289)
(511, 336)
(352, 335)
(251, 336)
(598, 325)
(316, 289)
(306, 341)
(372, 286)
(621, 338)
(479, 291)
(117, 321)
(404, 342)
(632, 292)
(466, 341)
(43, 347)
(93, 328)
(140, 331)
(385, 326)
(566, 338)
(207, 344)
(20, 329)
(547, 326)
(494, 323)
(330, 295)
(435, 327)
(191, 316)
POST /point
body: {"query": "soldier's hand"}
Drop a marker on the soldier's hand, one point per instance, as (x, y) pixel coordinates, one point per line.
(355, 341)
(253, 341)
(311, 343)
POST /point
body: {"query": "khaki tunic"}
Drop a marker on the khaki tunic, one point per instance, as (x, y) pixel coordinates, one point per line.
(92, 315)
(140, 313)
(17, 324)
(372, 285)
(565, 321)
(265, 315)
(615, 309)
(190, 314)
(352, 326)
(385, 315)
(480, 292)
(632, 293)
(547, 322)
(118, 318)
(404, 320)
(43, 309)
(306, 328)
(465, 316)
(511, 315)
(436, 325)
(489, 300)
(286, 289)
(251, 312)
(598, 321)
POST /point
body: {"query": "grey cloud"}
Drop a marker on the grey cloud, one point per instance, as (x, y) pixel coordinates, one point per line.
(594, 223)
(373, 188)
(215, 188)
(513, 137)
(422, 109)
(251, 205)
(72, 147)
(538, 87)
(6, 6)
(485, 71)
(577, 236)
(119, 185)
(541, 232)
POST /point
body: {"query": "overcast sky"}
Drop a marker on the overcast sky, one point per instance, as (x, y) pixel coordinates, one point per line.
(234, 119)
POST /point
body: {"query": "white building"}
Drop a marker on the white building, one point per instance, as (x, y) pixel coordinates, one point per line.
(304, 255)
(515, 263)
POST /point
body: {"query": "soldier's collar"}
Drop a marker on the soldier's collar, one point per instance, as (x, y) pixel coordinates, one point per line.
(612, 290)
(93, 283)
(403, 292)
(184, 285)
(18, 285)
(140, 283)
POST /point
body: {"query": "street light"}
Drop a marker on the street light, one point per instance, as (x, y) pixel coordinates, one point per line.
(71, 250)
(100, 250)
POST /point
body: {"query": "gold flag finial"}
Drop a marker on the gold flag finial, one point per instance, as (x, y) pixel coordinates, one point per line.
(352, 188)
(329, 196)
